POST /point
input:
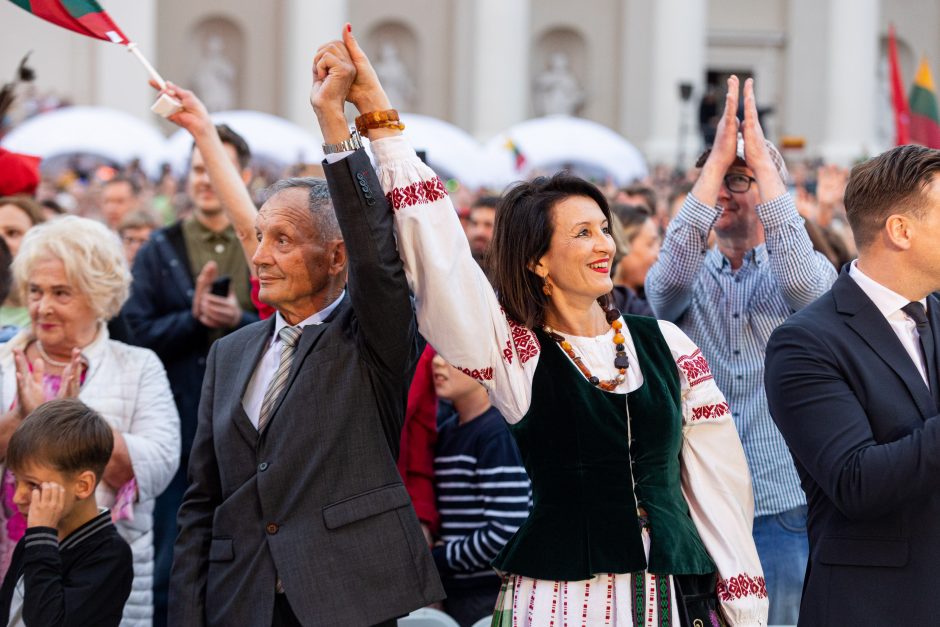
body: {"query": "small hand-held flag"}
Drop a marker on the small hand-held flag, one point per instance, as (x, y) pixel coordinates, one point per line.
(86, 17)
(516, 153)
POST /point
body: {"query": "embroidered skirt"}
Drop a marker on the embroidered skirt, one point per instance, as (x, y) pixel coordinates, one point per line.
(609, 600)
(615, 600)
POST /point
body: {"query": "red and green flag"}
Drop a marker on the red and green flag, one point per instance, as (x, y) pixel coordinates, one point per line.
(85, 17)
(925, 120)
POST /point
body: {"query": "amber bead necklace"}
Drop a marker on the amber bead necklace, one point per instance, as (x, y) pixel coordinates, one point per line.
(621, 361)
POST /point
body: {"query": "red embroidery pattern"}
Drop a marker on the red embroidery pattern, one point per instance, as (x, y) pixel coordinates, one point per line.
(418, 192)
(507, 353)
(707, 412)
(554, 605)
(483, 374)
(527, 345)
(742, 585)
(695, 368)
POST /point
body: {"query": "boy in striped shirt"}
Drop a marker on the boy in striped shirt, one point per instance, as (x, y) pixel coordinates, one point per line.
(483, 494)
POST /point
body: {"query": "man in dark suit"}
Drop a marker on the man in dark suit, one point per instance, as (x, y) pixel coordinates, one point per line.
(295, 513)
(852, 385)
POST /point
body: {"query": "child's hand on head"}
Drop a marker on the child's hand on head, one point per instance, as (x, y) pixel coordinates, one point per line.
(46, 505)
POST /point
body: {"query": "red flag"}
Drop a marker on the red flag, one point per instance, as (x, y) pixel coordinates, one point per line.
(902, 114)
(85, 17)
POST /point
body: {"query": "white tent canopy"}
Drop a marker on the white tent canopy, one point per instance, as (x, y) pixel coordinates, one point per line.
(453, 153)
(269, 137)
(553, 142)
(109, 133)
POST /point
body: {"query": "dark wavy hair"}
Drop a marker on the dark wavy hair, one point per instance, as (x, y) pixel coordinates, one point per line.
(522, 235)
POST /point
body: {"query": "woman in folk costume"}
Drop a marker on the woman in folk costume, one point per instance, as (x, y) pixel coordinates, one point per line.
(642, 497)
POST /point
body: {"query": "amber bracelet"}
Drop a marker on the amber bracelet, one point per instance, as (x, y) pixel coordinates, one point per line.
(387, 118)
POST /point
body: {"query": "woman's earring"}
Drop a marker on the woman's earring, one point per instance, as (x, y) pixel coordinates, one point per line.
(546, 287)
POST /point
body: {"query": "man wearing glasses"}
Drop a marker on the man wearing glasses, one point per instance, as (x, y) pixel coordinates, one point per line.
(729, 299)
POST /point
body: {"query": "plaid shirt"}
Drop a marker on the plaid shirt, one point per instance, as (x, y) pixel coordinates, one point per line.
(731, 314)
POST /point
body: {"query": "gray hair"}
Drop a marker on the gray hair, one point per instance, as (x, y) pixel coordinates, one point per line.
(92, 256)
(318, 201)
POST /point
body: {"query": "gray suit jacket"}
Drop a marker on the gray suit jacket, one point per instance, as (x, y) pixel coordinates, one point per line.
(316, 499)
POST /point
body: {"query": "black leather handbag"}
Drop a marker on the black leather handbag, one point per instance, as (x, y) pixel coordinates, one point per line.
(697, 601)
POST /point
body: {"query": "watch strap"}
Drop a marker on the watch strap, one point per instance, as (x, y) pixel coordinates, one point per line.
(353, 142)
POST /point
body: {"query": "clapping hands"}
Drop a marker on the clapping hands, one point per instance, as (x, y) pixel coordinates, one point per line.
(30, 391)
(724, 152)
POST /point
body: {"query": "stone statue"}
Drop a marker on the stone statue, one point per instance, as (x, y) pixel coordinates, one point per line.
(556, 89)
(215, 79)
(395, 77)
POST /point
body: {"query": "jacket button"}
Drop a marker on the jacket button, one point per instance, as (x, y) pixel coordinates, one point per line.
(360, 176)
(263, 466)
(271, 528)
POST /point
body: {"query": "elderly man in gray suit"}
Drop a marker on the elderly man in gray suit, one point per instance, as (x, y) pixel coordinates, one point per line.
(295, 512)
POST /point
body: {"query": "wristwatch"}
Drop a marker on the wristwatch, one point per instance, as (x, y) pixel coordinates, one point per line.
(354, 142)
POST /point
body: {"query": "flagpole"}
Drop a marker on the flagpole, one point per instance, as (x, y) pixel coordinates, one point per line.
(134, 50)
(165, 105)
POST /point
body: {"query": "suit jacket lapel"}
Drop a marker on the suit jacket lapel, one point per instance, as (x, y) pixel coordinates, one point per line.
(869, 323)
(253, 351)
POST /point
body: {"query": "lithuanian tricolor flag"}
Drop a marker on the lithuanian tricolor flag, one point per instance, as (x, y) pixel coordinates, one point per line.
(85, 17)
(516, 153)
(925, 121)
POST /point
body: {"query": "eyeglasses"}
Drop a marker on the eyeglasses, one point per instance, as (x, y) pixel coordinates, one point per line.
(739, 183)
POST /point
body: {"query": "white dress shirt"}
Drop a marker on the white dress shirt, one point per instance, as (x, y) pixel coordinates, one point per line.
(267, 366)
(889, 303)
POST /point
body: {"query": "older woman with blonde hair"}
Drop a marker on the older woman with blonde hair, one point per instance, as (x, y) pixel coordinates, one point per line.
(73, 278)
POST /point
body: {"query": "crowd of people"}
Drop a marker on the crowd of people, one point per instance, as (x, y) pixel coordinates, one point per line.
(703, 399)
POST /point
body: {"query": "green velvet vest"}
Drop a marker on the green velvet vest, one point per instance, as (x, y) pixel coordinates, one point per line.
(575, 447)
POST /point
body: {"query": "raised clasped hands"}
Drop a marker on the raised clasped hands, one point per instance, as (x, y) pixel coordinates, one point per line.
(333, 76)
(342, 72)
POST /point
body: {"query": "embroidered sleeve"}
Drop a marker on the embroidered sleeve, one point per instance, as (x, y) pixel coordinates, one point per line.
(457, 310)
(716, 484)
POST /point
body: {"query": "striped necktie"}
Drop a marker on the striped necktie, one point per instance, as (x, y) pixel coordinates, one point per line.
(289, 337)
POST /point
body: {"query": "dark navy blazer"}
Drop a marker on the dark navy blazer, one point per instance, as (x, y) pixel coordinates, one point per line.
(864, 432)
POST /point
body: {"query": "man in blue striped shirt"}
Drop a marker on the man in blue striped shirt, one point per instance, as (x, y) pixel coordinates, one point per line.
(729, 299)
(483, 494)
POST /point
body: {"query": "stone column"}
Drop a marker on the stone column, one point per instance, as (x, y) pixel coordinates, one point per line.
(307, 25)
(850, 87)
(120, 79)
(500, 82)
(677, 55)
